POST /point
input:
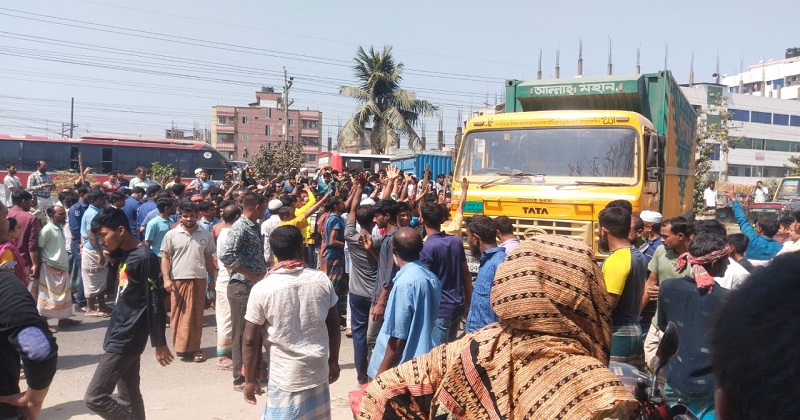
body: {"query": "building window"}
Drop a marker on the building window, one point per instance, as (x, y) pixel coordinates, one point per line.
(774, 172)
(715, 152)
(311, 158)
(222, 120)
(269, 112)
(761, 117)
(713, 119)
(267, 130)
(291, 122)
(224, 138)
(778, 145)
(245, 137)
(780, 119)
(740, 114)
(309, 141)
(309, 123)
(794, 120)
(245, 154)
(244, 120)
(291, 138)
(739, 170)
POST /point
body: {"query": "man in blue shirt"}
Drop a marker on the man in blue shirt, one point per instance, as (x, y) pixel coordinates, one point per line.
(761, 247)
(481, 232)
(75, 214)
(209, 218)
(146, 207)
(158, 227)
(411, 309)
(132, 203)
(444, 255)
(94, 267)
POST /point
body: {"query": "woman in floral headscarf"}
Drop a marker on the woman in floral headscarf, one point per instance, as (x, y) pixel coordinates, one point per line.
(547, 357)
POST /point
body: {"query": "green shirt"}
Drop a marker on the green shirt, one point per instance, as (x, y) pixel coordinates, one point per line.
(54, 247)
(662, 262)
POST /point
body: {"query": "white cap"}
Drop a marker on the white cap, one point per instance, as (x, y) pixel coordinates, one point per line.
(303, 169)
(198, 170)
(274, 205)
(650, 216)
(367, 202)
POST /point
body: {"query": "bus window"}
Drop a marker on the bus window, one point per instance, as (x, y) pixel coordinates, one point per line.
(127, 160)
(90, 155)
(9, 153)
(107, 161)
(54, 154)
(356, 164)
(73, 157)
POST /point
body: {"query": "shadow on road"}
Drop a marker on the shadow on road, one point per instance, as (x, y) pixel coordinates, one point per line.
(64, 410)
(74, 361)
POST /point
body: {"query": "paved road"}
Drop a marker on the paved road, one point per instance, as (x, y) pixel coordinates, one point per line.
(182, 390)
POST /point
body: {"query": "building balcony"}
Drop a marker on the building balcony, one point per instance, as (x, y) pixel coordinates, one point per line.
(310, 149)
(226, 129)
(226, 111)
(309, 132)
(225, 147)
(309, 115)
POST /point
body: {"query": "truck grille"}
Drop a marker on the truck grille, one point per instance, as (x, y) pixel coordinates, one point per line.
(580, 230)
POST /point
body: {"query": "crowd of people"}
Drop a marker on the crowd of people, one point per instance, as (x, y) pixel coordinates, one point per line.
(290, 262)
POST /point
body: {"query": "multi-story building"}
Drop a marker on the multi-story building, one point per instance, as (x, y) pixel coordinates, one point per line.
(771, 79)
(769, 129)
(239, 131)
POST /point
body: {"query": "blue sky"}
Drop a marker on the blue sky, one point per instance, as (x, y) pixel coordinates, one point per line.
(457, 53)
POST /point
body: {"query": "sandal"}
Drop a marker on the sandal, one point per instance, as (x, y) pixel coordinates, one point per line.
(199, 357)
(98, 314)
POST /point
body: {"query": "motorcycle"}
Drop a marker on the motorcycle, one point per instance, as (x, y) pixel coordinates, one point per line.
(655, 404)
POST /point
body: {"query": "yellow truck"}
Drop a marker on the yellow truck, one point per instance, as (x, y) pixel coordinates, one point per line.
(564, 149)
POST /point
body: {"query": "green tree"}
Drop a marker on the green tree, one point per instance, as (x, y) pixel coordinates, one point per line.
(793, 166)
(161, 173)
(384, 107)
(281, 158)
(714, 127)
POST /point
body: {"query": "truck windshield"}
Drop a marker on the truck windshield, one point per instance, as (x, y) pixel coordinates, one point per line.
(587, 152)
(788, 190)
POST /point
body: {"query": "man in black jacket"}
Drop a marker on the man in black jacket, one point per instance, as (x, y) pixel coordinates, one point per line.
(139, 313)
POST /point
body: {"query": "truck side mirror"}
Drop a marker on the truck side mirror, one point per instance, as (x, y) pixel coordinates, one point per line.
(655, 150)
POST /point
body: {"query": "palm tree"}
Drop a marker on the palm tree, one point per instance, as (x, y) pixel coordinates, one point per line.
(384, 107)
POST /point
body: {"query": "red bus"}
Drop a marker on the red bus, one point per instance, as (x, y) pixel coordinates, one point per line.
(107, 153)
(353, 161)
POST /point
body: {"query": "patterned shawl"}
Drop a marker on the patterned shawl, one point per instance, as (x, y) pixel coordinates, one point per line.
(547, 357)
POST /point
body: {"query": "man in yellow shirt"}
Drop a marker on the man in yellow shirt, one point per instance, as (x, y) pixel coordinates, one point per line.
(298, 217)
(624, 271)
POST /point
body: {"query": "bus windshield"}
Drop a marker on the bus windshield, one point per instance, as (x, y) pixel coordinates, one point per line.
(586, 152)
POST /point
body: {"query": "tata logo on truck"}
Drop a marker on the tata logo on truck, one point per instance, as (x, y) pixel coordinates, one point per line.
(535, 210)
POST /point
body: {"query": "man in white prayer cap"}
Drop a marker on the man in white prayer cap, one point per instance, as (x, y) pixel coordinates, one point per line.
(651, 232)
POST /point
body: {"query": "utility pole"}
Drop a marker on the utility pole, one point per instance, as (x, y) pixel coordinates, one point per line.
(71, 117)
(287, 84)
